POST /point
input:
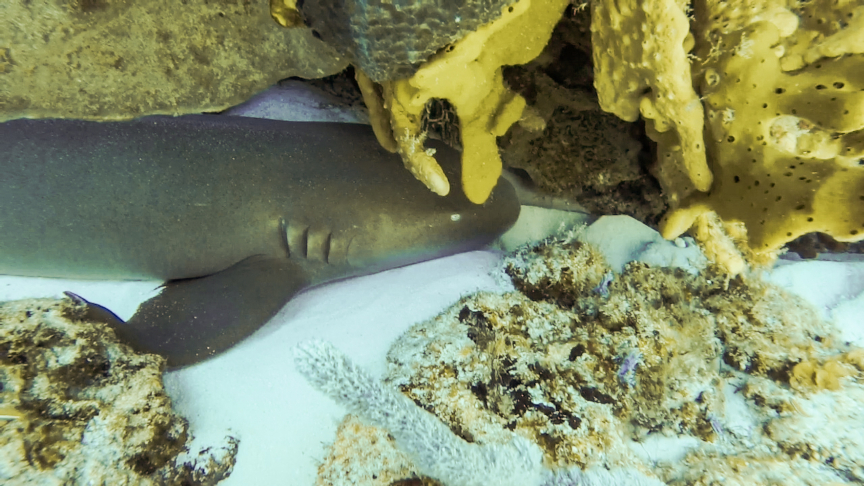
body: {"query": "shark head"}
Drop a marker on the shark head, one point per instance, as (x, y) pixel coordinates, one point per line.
(372, 215)
(409, 228)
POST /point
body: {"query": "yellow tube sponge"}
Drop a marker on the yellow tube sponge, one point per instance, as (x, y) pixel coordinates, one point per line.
(828, 29)
(468, 75)
(641, 66)
(786, 147)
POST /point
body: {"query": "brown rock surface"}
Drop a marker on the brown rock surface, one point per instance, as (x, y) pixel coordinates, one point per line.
(118, 59)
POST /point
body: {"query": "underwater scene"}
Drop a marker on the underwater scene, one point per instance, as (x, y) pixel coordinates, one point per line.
(429, 243)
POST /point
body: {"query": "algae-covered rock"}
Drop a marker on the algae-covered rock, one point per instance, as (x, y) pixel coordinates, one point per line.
(109, 60)
(383, 463)
(690, 377)
(82, 408)
(583, 154)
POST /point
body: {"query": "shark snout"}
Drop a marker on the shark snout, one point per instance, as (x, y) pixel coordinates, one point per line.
(433, 227)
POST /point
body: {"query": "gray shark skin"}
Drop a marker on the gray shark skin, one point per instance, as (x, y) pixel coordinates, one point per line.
(236, 214)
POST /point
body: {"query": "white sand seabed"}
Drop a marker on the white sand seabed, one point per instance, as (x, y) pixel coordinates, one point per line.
(252, 392)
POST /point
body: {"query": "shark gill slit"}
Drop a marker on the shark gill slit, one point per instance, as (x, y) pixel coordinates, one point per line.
(304, 242)
(296, 240)
(283, 233)
(327, 243)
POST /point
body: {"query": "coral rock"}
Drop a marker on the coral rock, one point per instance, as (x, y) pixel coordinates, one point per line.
(110, 60)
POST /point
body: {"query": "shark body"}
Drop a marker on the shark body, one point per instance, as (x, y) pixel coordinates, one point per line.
(236, 214)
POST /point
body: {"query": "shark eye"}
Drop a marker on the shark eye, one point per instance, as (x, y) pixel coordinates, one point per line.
(455, 217)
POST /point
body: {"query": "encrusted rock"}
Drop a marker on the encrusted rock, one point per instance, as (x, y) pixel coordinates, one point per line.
(390, 39)
(110, 60)
(602, 369)
(84, 408)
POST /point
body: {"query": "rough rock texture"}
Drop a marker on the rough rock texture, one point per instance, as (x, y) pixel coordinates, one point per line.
(356, 443)
(812, 245)
(87, 409)
(740, 379)
(583, 154)
(390, 39)
(109, 59)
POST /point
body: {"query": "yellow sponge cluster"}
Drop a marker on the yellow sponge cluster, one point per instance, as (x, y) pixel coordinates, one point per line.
(468, 75)
(784, 116)
(641, 66)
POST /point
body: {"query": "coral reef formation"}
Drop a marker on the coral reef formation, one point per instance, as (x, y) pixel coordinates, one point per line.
(433, 448)
(357, 443)
(82, 408)
(812, 245)
(389, 40)
(760, 125)
(584, 154)
(641, 67)
(788, 164)
(110, 60)
(468, 74)
(606, 369)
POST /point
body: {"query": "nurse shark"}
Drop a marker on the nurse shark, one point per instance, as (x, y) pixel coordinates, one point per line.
(236, 214)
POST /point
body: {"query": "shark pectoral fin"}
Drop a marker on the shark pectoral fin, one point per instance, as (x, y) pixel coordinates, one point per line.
(85, 310)
(193, 319)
